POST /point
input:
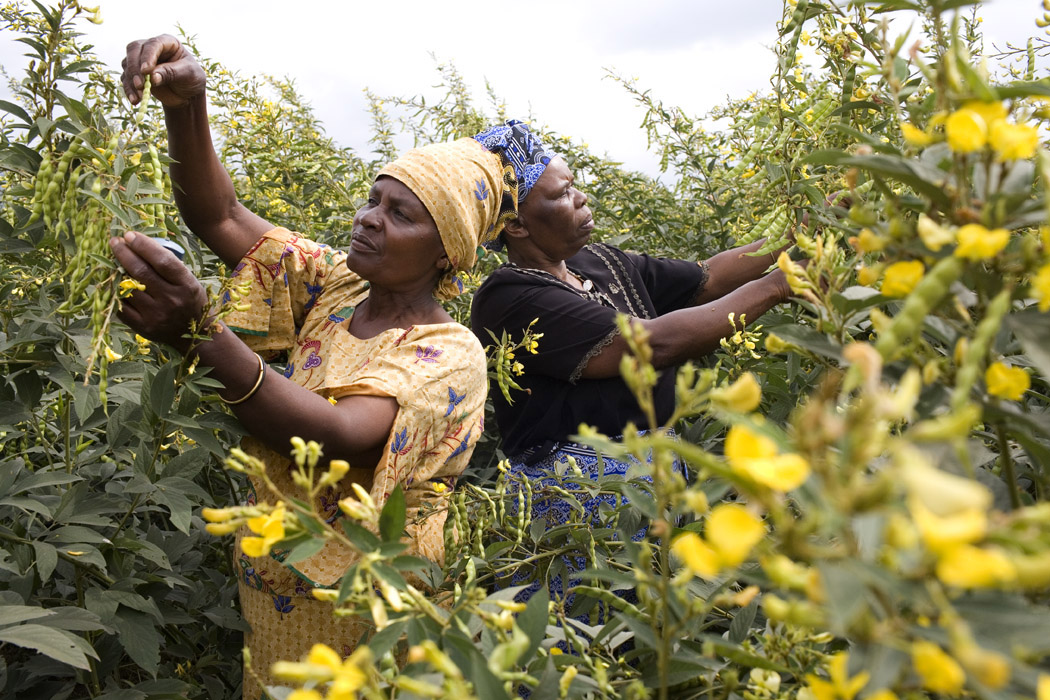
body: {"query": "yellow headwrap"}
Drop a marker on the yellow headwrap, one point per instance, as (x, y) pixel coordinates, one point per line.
(460, 184)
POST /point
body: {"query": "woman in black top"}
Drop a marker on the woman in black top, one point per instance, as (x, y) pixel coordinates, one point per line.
(573, 292)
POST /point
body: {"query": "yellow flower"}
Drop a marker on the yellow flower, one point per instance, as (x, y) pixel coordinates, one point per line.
(941, 533)
(218, 515)
(1013, 141)
(966, 566)
(698, 556)
(143, 345)
(271, 527)
(733, 531)
(990, 112)
(1041, 287)
(866, 276)
(989, 667)
(304, 695)
(966, 131)
(555, 651)
(869, 242)
(978, 243)
(839, 685)
(337, 469)
(696, 500)
(128, 285)
(755, 456)
(901, 277)
(112, 356)
(939, 671)
(439, 487)
(1006, 382)
(324, 664)
(742, 396)
(933, 235)
(1042, 691)
(914, 135)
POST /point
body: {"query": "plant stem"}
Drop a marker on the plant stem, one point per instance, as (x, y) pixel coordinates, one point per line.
(1009, 473)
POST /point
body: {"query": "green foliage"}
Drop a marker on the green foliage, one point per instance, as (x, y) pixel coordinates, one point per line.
(896, 483)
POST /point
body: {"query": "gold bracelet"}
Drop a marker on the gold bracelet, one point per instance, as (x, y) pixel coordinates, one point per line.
(251, 392)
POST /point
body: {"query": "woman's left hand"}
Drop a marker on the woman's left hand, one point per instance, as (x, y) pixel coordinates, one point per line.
(173, 300)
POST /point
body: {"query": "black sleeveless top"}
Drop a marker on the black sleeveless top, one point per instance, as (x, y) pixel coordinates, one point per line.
(576, 325)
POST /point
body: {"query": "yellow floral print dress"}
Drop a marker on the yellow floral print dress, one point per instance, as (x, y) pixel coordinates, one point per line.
(301, 300)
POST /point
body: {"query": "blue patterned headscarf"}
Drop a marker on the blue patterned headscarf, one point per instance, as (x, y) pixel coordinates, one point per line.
(521, 152)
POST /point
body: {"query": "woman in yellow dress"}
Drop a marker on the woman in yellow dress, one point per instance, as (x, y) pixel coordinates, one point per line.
(377, 371)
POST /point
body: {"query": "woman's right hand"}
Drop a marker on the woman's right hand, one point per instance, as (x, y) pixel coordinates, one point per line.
(175, 75)
(173, 302)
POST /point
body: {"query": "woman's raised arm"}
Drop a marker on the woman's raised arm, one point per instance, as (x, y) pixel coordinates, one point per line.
(203, 190)
(692, 332)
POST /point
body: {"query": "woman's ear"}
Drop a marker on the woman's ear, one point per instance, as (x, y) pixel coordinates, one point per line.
(516, 228)
(443, 263)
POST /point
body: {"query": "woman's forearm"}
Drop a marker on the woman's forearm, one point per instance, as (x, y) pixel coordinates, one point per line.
(734, 268)
(203, 189)
(695, 331)
(354, 429)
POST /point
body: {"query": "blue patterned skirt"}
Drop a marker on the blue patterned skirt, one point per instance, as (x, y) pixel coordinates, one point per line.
(588, 508)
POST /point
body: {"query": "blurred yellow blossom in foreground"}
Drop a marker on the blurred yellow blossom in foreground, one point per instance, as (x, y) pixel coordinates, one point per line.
(755, 456)
(1006, 382)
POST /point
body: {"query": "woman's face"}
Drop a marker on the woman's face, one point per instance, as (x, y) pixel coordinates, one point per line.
(556, 213)
(394, 239)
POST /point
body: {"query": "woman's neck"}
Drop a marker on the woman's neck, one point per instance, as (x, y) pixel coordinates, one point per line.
(557, 268)
(383, 310)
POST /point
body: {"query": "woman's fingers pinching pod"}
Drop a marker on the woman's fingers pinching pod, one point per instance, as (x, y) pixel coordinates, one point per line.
(161, 261)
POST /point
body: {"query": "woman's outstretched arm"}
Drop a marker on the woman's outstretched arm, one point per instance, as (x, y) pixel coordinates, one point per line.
(203, 190)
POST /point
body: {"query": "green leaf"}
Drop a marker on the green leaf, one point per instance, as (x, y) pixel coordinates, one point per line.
(740, 627)
(137, 633)
(392, 519)
(1024, 88)
(920, 177)
(845, 595)
(810, 339)
(44, 478)
(1032, 330)
(533, 621)
(384, 640)
(304, 550)
(14, 109)
(61, 646)
(13, 614)
(475, 667)
(147, 550)
(72, 618)
(180, 507)
(46, 560)
(162, 390)
(361, 538)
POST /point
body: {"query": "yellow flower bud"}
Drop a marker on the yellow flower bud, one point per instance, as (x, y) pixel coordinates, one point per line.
(902, 277)
(1005, 382)
(742, 396)
(938, 671)
(933, 235)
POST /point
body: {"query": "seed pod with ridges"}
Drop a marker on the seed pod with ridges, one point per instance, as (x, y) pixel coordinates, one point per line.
(930, 290)
(977, 349)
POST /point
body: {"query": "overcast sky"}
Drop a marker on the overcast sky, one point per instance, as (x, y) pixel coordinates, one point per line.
(547, 56)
